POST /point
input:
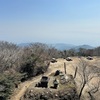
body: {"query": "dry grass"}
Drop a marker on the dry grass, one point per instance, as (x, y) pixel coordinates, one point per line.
(59, 65)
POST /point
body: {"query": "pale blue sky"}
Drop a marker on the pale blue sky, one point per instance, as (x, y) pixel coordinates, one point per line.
(50, 21)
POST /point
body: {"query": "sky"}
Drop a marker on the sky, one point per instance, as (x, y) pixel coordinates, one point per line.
(50, 21)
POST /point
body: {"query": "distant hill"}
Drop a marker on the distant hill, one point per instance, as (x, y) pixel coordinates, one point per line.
(24, 44)
(62, 46)
(83, 46)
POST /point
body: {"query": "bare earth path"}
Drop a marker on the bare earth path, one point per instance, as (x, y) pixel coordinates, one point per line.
(18, 93)
(22, 88)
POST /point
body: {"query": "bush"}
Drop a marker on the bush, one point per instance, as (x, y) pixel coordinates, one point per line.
(7, 84)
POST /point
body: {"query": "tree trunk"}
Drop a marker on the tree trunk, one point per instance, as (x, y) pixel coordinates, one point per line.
(80, 94)
(91, 96)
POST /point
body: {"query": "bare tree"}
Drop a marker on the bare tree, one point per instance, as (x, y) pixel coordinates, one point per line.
(93, 89)
(87, 73)
(8, 55)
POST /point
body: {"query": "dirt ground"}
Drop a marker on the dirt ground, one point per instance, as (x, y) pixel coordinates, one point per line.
(59, 65)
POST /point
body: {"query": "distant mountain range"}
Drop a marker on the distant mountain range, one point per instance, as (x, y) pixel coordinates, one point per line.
(24, 44)
(62, 46)
(84, 46)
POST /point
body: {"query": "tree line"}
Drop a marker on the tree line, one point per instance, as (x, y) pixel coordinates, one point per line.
(81, 52)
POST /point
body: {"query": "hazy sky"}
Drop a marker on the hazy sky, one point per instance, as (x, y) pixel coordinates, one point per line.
(50, 21)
